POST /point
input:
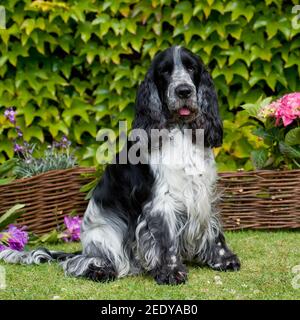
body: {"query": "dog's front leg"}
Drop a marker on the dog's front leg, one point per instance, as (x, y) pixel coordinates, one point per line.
(157, 247)
(218, 256)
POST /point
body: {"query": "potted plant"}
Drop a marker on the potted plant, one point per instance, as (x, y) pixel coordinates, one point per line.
(269, 196)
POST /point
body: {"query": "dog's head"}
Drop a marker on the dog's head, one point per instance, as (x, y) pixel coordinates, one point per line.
(178, 90)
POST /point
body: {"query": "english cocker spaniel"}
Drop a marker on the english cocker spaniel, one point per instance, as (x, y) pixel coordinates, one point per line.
(152, 217)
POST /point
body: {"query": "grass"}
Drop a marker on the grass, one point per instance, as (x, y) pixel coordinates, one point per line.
(267, 259)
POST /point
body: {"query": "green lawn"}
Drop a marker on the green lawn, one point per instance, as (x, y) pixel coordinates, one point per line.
(267, 259)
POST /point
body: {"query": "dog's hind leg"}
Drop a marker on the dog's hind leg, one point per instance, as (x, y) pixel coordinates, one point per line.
(103, 257)
(99, 268)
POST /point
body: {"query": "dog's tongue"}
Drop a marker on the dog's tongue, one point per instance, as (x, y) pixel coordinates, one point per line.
(184, 111)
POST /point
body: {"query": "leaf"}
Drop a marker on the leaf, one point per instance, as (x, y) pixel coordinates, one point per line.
(131, 26)
(242, 148)
(240, 69)
(11, 215)
(272, 28)
(185, 9)
(288, 151)
(293, 137)
(7, 167)
(28, 25)
(259, 158)
(261, 53)
(251, 108)
(89, 188)
(51, 237)
(29, 114)
(33, 132)
(6, 181)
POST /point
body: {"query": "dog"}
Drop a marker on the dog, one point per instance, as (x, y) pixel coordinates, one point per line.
(154, 217)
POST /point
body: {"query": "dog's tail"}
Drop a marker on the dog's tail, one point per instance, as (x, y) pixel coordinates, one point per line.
(40, 255)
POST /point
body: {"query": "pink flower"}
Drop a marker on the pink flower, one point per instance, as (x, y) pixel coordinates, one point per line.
(286, 109)
(269, 110)
(73, 228)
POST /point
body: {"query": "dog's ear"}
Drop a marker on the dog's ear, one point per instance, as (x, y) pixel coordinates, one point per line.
(148, 107)
(208, 103)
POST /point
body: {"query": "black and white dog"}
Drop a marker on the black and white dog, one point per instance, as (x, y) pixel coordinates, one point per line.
(154, 217)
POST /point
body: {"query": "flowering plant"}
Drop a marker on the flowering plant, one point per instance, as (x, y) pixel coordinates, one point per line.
(72, 232)
(26, 164)
(280, 130)
(14, 238)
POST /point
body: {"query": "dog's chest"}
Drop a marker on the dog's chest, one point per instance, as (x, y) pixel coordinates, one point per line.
(184, 181)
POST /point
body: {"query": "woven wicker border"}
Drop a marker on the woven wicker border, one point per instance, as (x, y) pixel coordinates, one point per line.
(48, 197)
(250, 200)
(264, 199)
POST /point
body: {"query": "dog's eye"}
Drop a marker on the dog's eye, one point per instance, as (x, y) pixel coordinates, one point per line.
(190, 69)
(165, 69)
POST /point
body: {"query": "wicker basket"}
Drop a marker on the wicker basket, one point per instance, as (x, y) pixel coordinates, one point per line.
(250, 200)
(48, 197)
(264, 199)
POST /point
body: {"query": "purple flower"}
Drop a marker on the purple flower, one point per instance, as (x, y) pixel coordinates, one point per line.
(10, 114)
(2, 246)
(28, 148)
(19, 132)
(18, 148)
(73, 228)
(16, 238)
(64, 143)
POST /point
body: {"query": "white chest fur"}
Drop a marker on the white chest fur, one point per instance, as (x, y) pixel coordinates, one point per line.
(184, 187)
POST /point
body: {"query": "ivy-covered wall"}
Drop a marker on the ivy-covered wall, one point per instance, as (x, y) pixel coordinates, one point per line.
(72, 67)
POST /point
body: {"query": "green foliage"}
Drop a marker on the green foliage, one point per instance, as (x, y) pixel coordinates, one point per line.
(72, 67)
(6, 171)
(28, 164)
(89, 187)
(51, 159)
(11, 215)
(52, 237)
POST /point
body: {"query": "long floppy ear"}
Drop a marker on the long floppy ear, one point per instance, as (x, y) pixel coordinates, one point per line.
(207, 98)
(148, 107)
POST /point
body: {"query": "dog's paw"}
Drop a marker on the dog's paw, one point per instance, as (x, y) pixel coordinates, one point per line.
(101, 274)
(229, 263)
(171, 276)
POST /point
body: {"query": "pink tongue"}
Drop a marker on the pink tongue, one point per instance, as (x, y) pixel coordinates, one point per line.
(184, 112)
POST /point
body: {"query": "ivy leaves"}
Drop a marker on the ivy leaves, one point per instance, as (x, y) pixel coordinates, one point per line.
(72, 67)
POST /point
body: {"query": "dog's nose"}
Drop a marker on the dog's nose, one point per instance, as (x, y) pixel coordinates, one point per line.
(183, 91)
